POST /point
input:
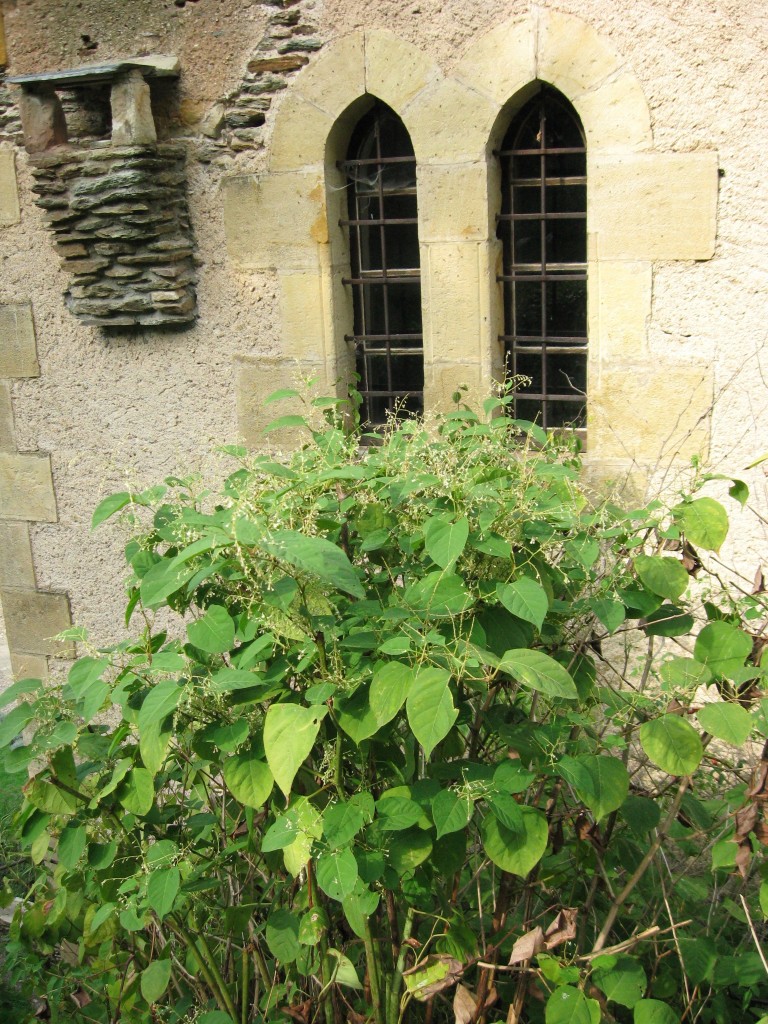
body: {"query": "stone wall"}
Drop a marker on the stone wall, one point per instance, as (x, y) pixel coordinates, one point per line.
(119, 216)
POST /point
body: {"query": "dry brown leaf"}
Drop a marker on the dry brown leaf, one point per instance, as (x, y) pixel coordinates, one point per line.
(80, 998)
(301, 1012)
(563, 928)
(528, 946)
(758, 585)
(743, 857)
(759, 788)
(464, 1005)
(761, 832)
(745, 820)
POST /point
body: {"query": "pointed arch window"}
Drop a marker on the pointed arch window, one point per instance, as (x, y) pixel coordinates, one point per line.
(385, 272)
(543, 229)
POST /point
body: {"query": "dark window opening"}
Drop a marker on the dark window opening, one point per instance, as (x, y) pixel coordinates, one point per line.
(384, 257)
(543, 230)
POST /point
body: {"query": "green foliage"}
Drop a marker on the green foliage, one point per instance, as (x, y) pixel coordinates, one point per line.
(400, 723)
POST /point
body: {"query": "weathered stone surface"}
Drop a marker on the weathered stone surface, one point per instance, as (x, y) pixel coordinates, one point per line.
(71, 249)
(18, 349)
(29, 666)
(276, 64)
(87, 266)
(7, 433)
(9, 195)
(43, 119)
(132, 120)
(16, 567)
(26, 488)
(32, 621)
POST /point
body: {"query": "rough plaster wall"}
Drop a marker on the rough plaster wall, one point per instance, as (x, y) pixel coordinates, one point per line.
(143, 406)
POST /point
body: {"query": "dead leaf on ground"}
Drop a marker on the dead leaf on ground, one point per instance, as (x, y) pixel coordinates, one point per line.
(301, 1012)
(464, 1005)
(80, 998)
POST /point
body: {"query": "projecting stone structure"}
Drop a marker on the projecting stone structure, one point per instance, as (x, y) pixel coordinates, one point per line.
(119, 216)
(110, 157)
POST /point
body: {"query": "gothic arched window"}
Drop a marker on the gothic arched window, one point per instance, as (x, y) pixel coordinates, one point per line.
(543, 228)
(384, 257)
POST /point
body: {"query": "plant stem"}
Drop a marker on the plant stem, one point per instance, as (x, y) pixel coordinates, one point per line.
(208, 968)
(642, 867)
(373, 974)
(393, 1004)
(245, 964)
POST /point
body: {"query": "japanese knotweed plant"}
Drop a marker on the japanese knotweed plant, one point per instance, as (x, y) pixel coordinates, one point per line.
(422, 738)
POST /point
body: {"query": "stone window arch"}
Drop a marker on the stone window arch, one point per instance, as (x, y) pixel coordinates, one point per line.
(542, 226)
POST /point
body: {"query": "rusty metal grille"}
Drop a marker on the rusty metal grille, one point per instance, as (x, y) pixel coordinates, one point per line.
(543, 228)
(385, 272)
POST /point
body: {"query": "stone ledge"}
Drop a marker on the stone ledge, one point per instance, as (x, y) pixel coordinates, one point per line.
(33, 619)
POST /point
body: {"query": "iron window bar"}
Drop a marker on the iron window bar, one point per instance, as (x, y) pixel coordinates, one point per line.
(548, 291)
(385, 276)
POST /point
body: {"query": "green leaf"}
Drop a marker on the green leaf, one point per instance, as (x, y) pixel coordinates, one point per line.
(568, 1005)
(19, 689)
(155, 980)
(337, 873)
(726, 721)
(704, 522)
(699, 958)
(109, 506)
(722, 647)
(290, 731)
(409, 849)
(355, 715)
(663, 576)
(152, 721)
(71, 846)
(248, 779)
(540, 672)
(137, 792)
(358, 907)
(215, 1017)
(397, 813)
(601, 782)
(653, 1011)
(672, 744)
(342, 822)
(214, 633)
(451, 811)
(668, 620)
(344, 972)
(444, 540)
(438, 594)
(313, 926)
(389, 689)
(12, 723)
(313, 555)
(282, 935)
(641, 814)
(623, 983)
(430, 709)
(610, 613)
(684, 674)
(526, 599)
(162, 580)
(516, 852)
(162, 890)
